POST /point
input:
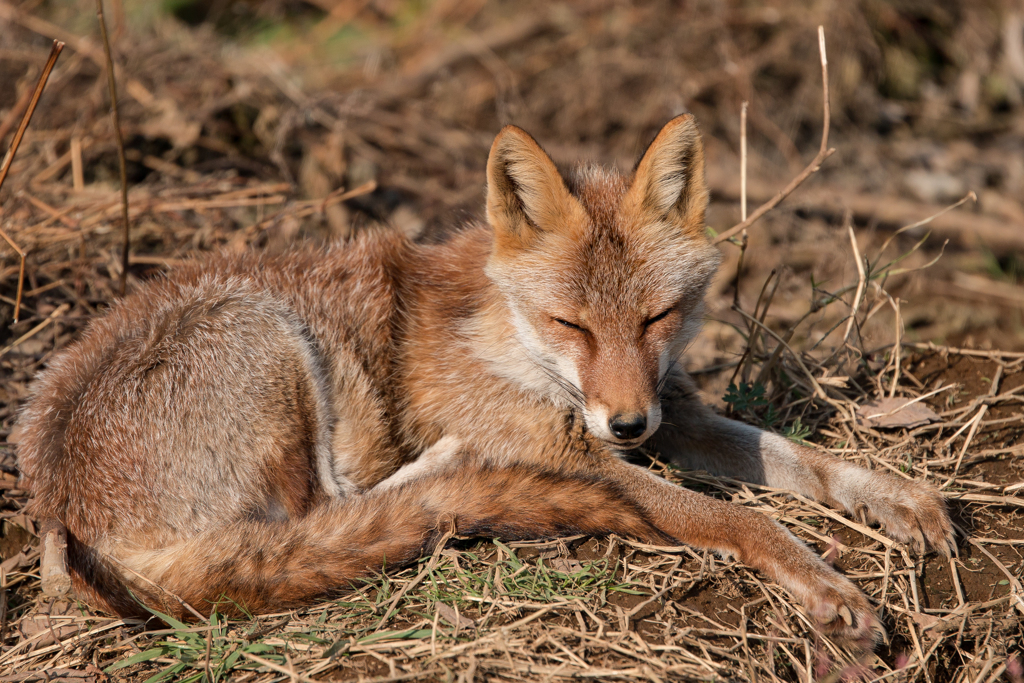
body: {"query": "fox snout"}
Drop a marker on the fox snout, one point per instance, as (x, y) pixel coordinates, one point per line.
(622, 406)
(627, 428)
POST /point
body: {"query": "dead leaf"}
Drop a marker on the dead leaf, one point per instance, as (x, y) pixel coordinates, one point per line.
(49, 631)
(167, 120)
(891, 413)
(566, 565)
(924, 620)
(46, 629)
(14, 436)
(25, 522)
(15, 563)
(457, 620)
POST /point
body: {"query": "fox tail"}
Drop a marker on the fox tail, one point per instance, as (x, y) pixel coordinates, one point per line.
(263, 565)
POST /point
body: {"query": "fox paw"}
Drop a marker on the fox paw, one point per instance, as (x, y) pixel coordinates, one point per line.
(910, 512)
(843, 611)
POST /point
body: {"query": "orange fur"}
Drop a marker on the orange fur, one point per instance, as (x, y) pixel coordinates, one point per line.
(266, 429)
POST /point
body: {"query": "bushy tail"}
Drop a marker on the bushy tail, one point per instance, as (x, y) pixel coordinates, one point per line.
(263, 565)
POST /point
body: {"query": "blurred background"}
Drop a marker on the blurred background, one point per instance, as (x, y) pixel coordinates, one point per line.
(241, 116)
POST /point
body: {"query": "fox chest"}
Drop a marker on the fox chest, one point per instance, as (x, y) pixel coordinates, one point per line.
(493, 420)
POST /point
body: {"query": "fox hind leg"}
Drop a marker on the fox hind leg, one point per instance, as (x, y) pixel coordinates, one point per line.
(429, 462)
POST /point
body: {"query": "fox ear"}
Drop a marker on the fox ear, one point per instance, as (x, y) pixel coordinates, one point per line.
(668, 182)
(526, 195)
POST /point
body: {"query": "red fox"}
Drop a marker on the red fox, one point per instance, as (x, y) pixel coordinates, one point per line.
(265, 429)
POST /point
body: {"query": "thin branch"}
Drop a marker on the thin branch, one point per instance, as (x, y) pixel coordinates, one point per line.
(824, 152)
(55, 51)
(743, 205)
(745, 360)
(115, 112)
(57, 312)
(861, 283)
(924, 221)
(979, 353)
(897, 349)
(818, 391)
(743, 162)
(40, 85)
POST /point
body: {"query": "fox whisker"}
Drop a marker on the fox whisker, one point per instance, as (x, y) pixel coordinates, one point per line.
(672, 365)
(572, 393)
(668, 374)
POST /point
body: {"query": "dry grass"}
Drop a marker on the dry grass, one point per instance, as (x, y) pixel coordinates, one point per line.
(577, 608)
(237, 147)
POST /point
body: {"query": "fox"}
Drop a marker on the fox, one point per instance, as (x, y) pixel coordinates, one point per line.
(261, 431)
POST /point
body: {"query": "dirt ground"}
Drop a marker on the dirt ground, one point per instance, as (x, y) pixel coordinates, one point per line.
(262, 123)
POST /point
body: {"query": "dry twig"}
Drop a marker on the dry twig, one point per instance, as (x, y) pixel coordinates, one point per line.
(824, 152)
(5, 167)
(119, 136)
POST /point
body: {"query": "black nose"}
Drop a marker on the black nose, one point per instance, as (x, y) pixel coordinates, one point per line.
(628, 426)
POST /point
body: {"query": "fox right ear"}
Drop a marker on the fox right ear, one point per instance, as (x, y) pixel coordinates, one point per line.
(526, 195)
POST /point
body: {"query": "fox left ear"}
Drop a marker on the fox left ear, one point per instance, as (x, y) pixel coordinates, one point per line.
(668, 182)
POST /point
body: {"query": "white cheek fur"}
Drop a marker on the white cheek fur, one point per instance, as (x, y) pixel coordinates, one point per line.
(527, 335)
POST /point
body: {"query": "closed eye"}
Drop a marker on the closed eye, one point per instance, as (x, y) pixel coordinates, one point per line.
(572, 326)
(660, 316)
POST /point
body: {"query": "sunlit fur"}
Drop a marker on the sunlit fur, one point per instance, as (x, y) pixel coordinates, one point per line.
(259, 431)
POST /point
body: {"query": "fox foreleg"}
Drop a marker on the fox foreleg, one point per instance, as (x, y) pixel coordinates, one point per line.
(754, 539)
(695, 437)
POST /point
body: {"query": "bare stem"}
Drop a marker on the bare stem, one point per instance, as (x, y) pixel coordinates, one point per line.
(116, 114)
(40, 85)
(824, 152)
(743, 204)
(818, 391)
(743, 162)
(5, 167)
(861, 283)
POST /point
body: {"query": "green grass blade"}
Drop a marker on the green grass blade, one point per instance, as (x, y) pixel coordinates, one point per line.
(138, 658)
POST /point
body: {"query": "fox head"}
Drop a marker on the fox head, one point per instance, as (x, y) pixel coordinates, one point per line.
(604, 275)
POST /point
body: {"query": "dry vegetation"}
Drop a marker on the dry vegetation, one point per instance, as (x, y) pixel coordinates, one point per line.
(256, 124)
